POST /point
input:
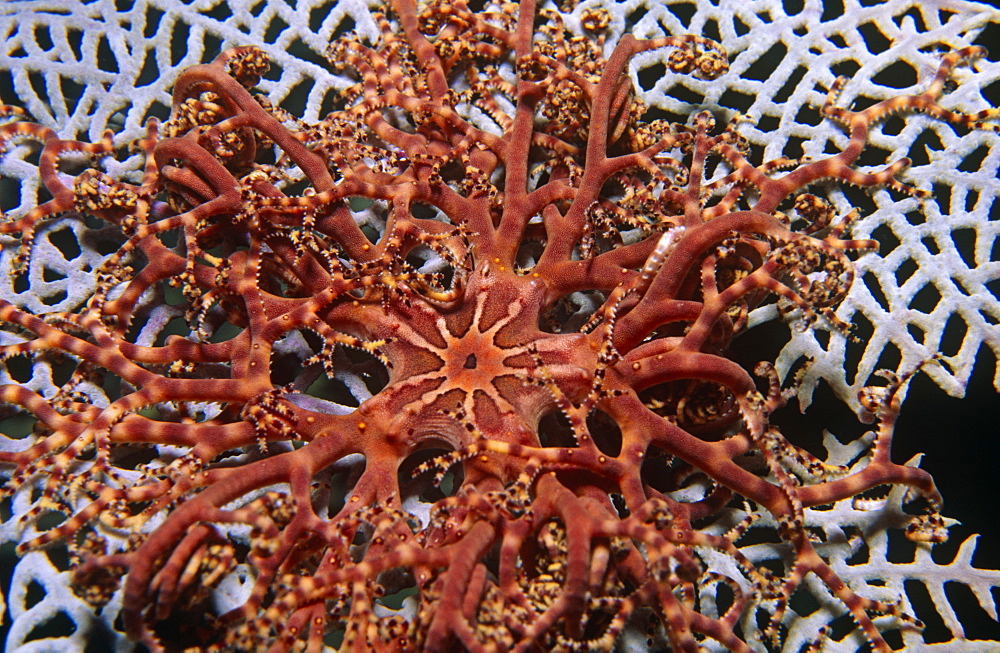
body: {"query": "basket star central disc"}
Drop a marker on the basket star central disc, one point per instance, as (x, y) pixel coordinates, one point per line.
(478, 371)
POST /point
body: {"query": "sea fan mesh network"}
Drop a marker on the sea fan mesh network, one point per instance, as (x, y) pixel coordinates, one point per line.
(81, 67)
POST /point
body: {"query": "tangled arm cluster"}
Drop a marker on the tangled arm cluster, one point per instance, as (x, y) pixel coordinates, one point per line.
(462, 341)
